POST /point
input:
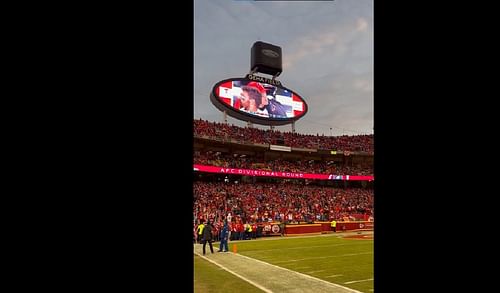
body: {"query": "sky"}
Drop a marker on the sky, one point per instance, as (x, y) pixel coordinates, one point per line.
(327, 55)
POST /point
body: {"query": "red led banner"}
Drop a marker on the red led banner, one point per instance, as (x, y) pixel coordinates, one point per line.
(264, 173)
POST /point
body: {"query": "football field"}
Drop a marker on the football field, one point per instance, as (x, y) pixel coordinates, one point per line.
(340, 262)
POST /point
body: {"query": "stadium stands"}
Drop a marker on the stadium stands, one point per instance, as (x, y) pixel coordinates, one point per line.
(356, 143)
(264, 200)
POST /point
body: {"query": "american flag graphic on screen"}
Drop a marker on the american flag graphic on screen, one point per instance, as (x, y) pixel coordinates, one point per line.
(228, 94)
(294, 103)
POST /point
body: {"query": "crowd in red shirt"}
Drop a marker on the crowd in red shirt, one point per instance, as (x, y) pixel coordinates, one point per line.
(360, 143)
(268, 202)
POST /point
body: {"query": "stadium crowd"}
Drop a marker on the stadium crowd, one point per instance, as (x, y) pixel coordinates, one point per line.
(251, 204)
(359, 143)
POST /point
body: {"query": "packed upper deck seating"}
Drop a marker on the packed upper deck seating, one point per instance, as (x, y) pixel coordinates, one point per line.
(351, 143)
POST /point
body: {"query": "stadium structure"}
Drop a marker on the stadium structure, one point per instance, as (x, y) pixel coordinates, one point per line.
(313, 194)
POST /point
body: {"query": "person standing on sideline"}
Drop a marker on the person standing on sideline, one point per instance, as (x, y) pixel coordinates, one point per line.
(199, 231)
(224, 236)
(207, 237)
(333, 224)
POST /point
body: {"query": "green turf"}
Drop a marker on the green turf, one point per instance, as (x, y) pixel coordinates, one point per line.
(211, 278)
(321, 257)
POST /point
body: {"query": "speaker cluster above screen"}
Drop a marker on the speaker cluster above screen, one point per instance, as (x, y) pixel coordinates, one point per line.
(266, 58)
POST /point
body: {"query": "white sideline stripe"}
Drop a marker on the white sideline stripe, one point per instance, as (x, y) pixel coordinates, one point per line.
(301, 268)
(302, 247)
(338, 235)
(303, 275)
(350, 282)
(319, 257)
(314, 272)
(236, 274)
(333, 276)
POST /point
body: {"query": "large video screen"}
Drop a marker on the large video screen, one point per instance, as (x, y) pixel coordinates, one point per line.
(259, 100)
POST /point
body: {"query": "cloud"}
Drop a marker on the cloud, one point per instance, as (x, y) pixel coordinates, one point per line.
(362, 25)
(363, 85)
(311, 44)
(327, 40)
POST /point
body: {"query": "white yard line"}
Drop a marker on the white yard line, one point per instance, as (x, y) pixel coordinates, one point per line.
(314, 272)
(303, 275)
(314, 246)
(333, 276)
(320, 257)
(236, 274)
(350, 282)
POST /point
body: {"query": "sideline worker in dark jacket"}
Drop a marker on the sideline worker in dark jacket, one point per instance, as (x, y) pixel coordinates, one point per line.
(207, 237)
